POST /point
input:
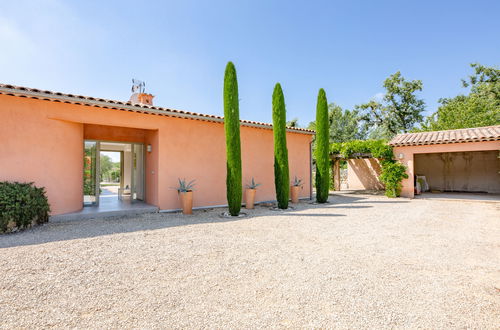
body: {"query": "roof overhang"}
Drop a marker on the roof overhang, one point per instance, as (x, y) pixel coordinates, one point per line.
(128, 106)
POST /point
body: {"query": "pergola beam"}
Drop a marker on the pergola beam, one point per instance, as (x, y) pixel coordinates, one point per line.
(358, 155)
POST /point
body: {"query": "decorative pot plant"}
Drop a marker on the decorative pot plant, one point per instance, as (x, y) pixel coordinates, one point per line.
(250, 191)
(185, 191)
(296, 186)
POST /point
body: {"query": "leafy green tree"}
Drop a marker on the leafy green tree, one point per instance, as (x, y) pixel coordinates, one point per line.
(480, 108)
(233, 143)
(107, 165)
(484, 82)
(345, 125)
(322, 148)
(293, 123)
(400, 109)
(281, 171)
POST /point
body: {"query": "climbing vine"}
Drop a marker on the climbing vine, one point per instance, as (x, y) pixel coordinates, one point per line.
(392, 173)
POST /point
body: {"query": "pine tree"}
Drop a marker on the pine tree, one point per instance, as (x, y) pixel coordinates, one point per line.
(321, 152)
(281, 171)
(233, 144)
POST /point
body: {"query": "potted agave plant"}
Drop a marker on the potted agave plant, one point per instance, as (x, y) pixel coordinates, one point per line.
(185, 191)
(250, 191)
(296, 186)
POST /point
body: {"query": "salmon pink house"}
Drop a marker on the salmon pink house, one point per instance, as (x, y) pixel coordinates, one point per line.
(55, 140)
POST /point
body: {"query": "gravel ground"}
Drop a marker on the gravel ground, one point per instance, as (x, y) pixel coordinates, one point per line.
(359, 262)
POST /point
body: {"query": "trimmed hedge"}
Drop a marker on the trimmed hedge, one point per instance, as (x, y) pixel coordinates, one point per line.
(22, 205)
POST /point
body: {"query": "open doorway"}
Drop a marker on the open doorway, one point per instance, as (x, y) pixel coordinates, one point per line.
(458, 175)
(113, 173)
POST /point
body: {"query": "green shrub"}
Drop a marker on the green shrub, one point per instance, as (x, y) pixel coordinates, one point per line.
(392, 175)
(234, 188)
(322, 149)
(22, 204)
(281, 171)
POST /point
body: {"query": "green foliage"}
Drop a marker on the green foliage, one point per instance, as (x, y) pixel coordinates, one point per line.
(293, 123)
(480, 108)
(233, 144)
(109, 171)
(22, 203)
(106, 164)
(392, 175)
(463, 112)
(322, 149)
(393, 172)
(400, 109)
(345, 125)
(253, 184)
(378, 148)
(89, 186)
(485, 81)
(281, 171)
(185, 186)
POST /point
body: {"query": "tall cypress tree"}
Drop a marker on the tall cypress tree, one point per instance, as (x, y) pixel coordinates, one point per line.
(321, 152)
(281, 171)
(233, 144)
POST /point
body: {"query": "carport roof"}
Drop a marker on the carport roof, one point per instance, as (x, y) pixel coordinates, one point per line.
(478, 134)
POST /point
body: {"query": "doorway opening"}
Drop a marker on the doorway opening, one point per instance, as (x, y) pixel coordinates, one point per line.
(458, 175)
(113, 173)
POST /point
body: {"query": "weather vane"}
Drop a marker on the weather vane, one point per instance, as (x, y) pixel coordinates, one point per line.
(138, 86)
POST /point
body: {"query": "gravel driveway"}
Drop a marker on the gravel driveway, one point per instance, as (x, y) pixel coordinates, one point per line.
(359, 262)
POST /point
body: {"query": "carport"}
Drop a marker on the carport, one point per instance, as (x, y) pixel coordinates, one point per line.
(463, 161)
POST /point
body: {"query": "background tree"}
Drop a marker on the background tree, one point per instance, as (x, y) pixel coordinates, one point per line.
(293, 123)
(322, 149)
(233, 143)
(399, 111)
(345, 125)
(106, 165)
(281, 171)
(480, 108)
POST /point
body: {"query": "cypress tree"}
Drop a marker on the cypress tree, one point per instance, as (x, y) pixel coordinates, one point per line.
(281, 171)
(321, 152)
(233, 144)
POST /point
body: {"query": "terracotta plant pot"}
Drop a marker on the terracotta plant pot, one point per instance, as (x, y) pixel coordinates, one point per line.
(295, 194)
(250, 198)
(187, 202)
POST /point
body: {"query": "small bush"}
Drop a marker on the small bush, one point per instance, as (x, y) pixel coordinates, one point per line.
(22, 204)
(392, 175)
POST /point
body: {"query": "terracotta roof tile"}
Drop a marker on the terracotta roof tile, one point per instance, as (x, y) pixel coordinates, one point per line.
(490, 133)
(113, 104)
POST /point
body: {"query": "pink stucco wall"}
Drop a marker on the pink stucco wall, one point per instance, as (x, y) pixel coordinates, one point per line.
(362, 174)
(42, 141)
(406, 156)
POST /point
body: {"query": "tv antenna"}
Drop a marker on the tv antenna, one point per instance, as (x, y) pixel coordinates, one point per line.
(138, 86)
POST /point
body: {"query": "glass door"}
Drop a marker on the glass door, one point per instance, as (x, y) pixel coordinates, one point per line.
(138, 171)
(91, 173)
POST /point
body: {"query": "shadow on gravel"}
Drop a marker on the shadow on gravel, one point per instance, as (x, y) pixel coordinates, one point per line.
(309, 215)
(70, 230)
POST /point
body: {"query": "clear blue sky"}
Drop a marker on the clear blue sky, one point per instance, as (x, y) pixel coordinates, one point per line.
(180, 48)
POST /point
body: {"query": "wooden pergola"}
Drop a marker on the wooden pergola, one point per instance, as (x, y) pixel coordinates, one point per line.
(336, 158)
